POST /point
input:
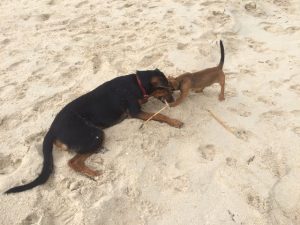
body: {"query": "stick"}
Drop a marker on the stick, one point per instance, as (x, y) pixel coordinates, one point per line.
(166, 106)
(221, 122)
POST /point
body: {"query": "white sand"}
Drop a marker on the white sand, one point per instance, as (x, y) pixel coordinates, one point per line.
(52, 51)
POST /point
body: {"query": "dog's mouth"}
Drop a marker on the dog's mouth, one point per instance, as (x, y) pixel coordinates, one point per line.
(168, 99)
(164, 94)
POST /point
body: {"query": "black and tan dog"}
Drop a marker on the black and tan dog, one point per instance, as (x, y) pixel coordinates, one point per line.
(79, 125)
(197, 81)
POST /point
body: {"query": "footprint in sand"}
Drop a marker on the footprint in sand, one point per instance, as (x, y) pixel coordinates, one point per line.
(275, 118)
(275, 84)
(272, 114)
(31, 219)
(292, 29)
(284, 4)
(96, 63)
(274, 162)
(179, 183)
(21, 91)
(62, 212)
(250, 6)
(208, 3)
(181, 46)
(169, 14)
(266, 100)
(149, 60)
(43, 17)
(35, 137)
(51, 2)
(232, 162)
(230, 92)
(207, 152)
(248, 93)
(260, 203)
(240, 111)
(277, 29)
(296, 130)
(246, 70)
(294, 112)
(81, 4)
(14, 65)
(8, 164)
(241, 133)
(256, 45)
(25, 17)
(295, 88)
(219, 17)
(6, 41)
(270, 63)
(72, 184)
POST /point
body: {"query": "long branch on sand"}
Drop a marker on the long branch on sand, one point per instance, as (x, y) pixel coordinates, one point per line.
(221, 122)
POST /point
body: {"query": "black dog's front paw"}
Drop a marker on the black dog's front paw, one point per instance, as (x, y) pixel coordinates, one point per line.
(176, 123)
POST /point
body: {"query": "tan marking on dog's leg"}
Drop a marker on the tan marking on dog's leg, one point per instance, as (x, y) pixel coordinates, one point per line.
(77, 164)
(61, 145)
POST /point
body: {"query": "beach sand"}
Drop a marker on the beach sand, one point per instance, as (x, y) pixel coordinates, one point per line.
(53, 51)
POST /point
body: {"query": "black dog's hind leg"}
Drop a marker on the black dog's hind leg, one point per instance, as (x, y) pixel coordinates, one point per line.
(77, 164)
(82, 137)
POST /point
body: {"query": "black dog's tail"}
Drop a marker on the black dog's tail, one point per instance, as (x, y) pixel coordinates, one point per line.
(47, 166)
(222, 55)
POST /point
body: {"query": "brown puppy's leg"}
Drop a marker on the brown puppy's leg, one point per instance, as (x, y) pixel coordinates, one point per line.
(161, 118)
(184, 92)
(222, 84)
(77, 164)
(199, 90)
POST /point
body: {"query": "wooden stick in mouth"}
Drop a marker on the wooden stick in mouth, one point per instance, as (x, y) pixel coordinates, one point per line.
(166, 106)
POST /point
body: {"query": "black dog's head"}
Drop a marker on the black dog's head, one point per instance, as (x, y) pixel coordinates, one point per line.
(156, 84)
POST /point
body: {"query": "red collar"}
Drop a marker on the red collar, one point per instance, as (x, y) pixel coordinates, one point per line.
(142, 88)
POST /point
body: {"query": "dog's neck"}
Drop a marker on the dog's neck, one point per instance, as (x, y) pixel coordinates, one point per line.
(145, 82)
(141, 86)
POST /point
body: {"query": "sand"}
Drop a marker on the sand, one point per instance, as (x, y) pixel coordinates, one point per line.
(53, 51)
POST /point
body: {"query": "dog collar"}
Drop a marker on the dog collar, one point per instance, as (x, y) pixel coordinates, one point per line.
(142, 88)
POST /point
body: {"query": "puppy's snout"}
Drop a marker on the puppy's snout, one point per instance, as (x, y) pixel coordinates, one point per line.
(169, 98)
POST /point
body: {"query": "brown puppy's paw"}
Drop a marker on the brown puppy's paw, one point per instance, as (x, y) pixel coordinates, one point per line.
(173, 104)
(221, 98)
(176, 123)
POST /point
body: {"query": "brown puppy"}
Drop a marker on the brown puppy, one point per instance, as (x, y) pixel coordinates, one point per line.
(199, 80)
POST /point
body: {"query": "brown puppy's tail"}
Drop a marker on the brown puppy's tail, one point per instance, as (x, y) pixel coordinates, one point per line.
(47, 166)
(222, 55)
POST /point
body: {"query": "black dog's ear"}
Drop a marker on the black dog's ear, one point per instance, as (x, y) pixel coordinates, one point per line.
(141, 73)
(158, 71)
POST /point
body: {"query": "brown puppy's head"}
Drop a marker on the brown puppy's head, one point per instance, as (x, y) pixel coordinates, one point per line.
(173, 83)
(156, 84)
